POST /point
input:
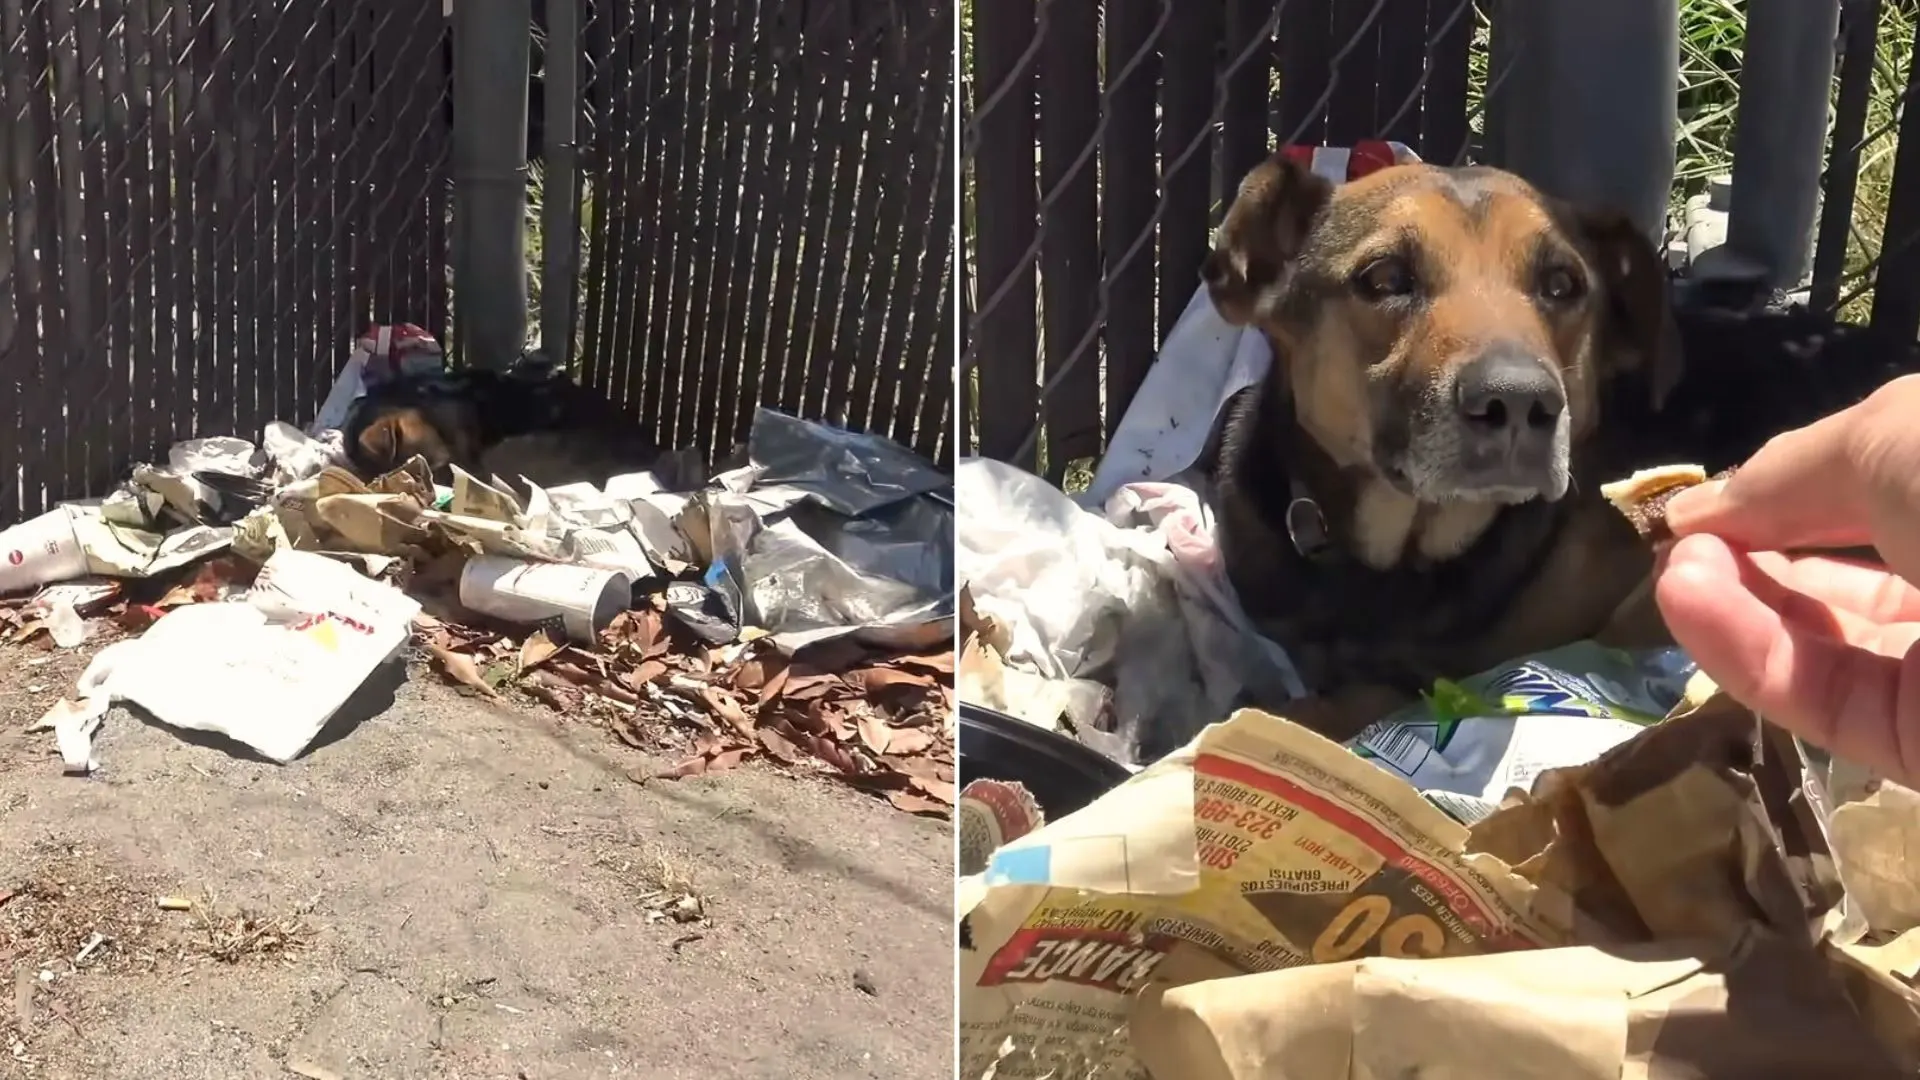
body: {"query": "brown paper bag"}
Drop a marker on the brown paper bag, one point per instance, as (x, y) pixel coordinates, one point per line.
(1760, 1006)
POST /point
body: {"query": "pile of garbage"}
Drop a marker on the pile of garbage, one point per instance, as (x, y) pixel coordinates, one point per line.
(798, 607)
(1708, 898)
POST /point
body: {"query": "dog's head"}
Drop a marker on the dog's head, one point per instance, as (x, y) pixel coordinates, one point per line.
(1449, 330)
(399, 434)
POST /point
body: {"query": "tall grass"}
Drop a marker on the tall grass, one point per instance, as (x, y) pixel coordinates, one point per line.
(1712, 44)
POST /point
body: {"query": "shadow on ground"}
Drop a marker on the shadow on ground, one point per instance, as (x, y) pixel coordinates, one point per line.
(477, 883)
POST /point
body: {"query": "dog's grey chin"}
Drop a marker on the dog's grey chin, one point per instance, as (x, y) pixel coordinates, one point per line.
(1428, 487)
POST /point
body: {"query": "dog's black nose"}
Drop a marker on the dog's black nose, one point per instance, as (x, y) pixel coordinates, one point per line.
(1509, 391)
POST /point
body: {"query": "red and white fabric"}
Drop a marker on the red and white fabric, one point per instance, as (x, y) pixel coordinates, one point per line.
(1343, 163)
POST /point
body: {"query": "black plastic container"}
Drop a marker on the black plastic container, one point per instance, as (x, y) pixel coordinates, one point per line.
(239, 495)
(1063, 775)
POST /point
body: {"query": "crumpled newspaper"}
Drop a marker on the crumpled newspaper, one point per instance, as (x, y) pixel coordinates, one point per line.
(1266, 904)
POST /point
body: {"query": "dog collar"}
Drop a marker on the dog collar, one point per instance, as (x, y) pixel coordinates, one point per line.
(1307, 524)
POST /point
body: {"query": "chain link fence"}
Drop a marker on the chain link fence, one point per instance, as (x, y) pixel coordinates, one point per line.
(204, 200)
(766, 203)
(1103, 139)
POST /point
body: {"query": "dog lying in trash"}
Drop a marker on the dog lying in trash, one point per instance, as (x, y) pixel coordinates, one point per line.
(1413, 492)
(530, 420)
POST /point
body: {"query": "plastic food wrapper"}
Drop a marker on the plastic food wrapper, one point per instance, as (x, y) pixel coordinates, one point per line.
(1265, 904)
(847, 471)
(812, 574)
(584, 526)
(1871, 824)
(1471, 742)
(269, 671)
(825, 533)
(1133, 598)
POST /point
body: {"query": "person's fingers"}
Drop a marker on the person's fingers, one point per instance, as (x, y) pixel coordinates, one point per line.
(1850, 479)
(1849, 585)
(1800, 490)
(1856, 702)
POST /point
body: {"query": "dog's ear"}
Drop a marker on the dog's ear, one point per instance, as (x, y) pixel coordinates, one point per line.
(416, 436)
(380, 444)
(1639, 332)
(1263, 233)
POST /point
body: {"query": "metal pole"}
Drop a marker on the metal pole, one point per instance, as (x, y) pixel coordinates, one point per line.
(560, 212)
(490, 61)
(1896, 286)
(1780, 134)
(1587, 108)
(1860, 22)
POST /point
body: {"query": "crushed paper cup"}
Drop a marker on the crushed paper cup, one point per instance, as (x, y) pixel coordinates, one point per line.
(991, 813)
(40, 552)
(582, 599)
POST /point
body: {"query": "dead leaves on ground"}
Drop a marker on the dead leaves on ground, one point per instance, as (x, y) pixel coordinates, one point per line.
(882, 723)
(879, 722)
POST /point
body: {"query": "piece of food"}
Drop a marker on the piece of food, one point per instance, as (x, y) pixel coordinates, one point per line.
(1643, 497)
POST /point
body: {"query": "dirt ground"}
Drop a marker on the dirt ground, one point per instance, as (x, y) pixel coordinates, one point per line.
(453, 889)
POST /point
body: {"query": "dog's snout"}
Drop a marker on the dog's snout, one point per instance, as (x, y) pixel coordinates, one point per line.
(1507, 437)
(1509, 392)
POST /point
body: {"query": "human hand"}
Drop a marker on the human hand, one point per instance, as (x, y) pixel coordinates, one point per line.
(1822, 646)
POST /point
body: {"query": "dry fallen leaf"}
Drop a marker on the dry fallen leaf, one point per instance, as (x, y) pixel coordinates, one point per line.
(874, 732)
(939, 789)
(780, 747)
(915, 803)
(810, 687)
(461, 669)
(607, 688)
(724, 705)
(940, 663)
(536, 650)
(648, 671)
(877, 679)
(909, 741)
(650, 634)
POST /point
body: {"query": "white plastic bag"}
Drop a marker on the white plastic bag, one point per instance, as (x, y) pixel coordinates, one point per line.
(269, 671)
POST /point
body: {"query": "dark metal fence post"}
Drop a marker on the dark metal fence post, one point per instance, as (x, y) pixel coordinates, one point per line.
(560, 210)
(1896, 286)
(491, 43)
(1780, 134)
(1583, 94)
(1859, 29)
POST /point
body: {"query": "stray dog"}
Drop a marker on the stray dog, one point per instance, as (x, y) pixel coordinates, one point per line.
(455, 418)
(433, 417)
(1412, 493)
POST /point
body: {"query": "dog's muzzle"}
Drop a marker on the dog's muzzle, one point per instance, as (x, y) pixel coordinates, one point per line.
(1505, 437)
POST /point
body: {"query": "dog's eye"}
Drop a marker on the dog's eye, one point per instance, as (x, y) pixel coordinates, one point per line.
(1384, 278)
(1560, 285)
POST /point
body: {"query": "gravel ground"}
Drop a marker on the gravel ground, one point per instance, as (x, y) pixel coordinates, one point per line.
(453, 889)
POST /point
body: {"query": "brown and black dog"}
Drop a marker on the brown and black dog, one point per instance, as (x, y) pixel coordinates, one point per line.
(1412, 493)
(549, 426)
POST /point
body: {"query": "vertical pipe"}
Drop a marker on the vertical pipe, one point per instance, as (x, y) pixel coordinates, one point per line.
(1586, 106)
(490, 60)
(560, 212)
(1860, 26)
(1780, 134)
(1896, 284)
